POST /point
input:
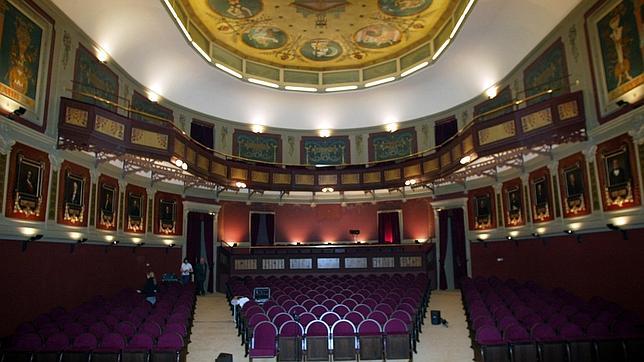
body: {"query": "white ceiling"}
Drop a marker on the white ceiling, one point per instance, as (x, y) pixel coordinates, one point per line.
(143, 39)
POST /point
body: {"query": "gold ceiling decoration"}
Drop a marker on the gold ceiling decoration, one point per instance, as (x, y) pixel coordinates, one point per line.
(318, 42)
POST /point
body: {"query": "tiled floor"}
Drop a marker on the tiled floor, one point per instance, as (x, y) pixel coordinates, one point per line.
(214, 331)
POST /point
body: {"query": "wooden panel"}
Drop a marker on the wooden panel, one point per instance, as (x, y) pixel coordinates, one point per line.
(536, 120)
(219, 169)
(190, 155)
(202, 162)
(301, 263)
(392, 175)
(245, 264)
(383, 262)
(179, 148)
(445, 159)
(259, 176)
(328, 263)
(149, 138)
(411, 262)
(456, 152)
(371, 177)
(303, 179)
(327, 179)
(497, 133)
(568, 110)
(468, 144)
(412, 171)
(238, 173)
(431, 165)
(110, 128)
(355, 263)
(350, 178)
(273, 264)
(76, 117)
(281, 178)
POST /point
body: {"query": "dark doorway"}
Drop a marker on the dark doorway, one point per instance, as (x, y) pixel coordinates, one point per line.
(453, 254)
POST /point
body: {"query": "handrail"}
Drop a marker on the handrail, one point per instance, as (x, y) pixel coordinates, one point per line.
(424, 152)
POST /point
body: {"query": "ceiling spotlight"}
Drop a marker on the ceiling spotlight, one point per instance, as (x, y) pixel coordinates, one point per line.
(171, 245)
(569, 231)
(101, 55)
(468, 158)
(324, 133)
(153, 97)
(410, 182)
(178, 162)
(240, 184)
(509, 237)
(115, 242)
(327, 189)
(300, 89)
(414, 69)
(342, 88)
(184, 166)
(391, 127)
(380, 81)
(535, 234)
(491, 92)
(256, 128)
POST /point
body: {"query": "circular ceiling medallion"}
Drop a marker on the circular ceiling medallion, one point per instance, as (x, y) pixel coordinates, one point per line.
(265, 37)
(321, 49)
(377, 36)
(403, 7)
(236, 9)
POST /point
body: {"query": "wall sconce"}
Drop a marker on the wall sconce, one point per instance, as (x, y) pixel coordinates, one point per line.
(17, 113)
(31, 239)
(614, 227)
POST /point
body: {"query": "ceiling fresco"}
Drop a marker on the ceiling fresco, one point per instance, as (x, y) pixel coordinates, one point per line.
(319, 35)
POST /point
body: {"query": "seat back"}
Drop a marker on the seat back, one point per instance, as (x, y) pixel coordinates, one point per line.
(397, 340)
(289, 341)
(316, 341)
(263, 342)
(343, 340)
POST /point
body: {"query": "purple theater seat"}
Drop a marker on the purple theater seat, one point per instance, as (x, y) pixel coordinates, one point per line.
(84, 342)
(56, 342)
(341, 310)
(309, 304)
(150, 328)
(263, 344)
(73, 329)
(178, 328)
(140, 342)
(581, 319)
(385, 308)
(599, 330)
(99, 329)
(544, 333)
(571, 332)
(27, 342)
(318, 310)
(127, 329)
(306, 318)
(296, 310)
(355, 317)
(557, 320)
(482, 321)
(516, 334)
(488, 335)
(25, 328)
(330, 318)
(168, 343)
(403, 316)
(378, 316)
(329, 303)
(288, 304)
(110, 321)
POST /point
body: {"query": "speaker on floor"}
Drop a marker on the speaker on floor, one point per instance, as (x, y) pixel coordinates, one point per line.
(436, 317)
(224, 357)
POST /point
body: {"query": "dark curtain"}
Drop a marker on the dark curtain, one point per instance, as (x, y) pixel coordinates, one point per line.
(443, 219)
(458, 245)
(193, 241)
(388, 228)
(262, 229)
(445, 130)
(203, 134)
(209, 238)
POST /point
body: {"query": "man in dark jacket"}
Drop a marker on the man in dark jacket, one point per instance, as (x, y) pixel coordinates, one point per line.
(201, 271)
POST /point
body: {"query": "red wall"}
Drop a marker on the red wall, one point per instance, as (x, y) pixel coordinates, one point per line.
(326, 222)
(602, 264)
(47, 275)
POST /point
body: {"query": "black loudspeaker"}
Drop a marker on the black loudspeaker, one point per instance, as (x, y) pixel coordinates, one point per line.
(224, 357)
(436, 317)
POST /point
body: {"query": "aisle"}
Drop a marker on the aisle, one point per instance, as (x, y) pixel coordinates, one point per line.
(214, 331)
(440, 344)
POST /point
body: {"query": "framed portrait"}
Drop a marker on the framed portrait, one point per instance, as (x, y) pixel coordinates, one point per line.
(514, 205)
(135, 211)
(541, 196)
(573, 189)
(26, 45)
(28, 186)
(167, 216)
(618, 178)
(74, 197)
(106, 206)
(483, 211)
(614, 32)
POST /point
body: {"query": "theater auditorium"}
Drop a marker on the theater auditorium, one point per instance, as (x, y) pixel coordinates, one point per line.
(322, 180)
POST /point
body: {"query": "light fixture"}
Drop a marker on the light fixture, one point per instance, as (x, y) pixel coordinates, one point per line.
(184, 166)
(234, 245)
(342, 88)
(491, 92)
(101, 55)
(414, 69)
(202, 52)
(327, 189)
(115, 242)
(509, 237)
(263, 82)
(569, 231)
(460, 20)
(109, 237)
(391, 127)
(441, 49)
(300, 89)
(324, 133)
(176, 18)
(480, 239)
(83, 240)
(240, 184)
(153, 97)
(379, 81)
(17, 113)
(535, 234)
(228, 70)
(178, 162)
(256, 128)
(35, 237)
(468, 158)
(410, 182)
(622, 103)
(617, 228)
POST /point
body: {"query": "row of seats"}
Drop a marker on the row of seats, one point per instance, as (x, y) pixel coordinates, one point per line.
(122, 328)
(510, 321)
(329, 299)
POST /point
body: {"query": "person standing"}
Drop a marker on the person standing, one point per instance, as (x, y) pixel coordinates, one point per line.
(150, 288)
(186, 269)
(201, 271)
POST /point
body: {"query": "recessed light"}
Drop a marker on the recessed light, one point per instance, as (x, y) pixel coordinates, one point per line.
(300, 89)
(441, 49)
(380, 81)
(343, 88)
(414, 69)
(263, 82)
(228, 70)
(202, 52)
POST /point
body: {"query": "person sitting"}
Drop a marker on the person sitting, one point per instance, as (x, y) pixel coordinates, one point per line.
(150, 289)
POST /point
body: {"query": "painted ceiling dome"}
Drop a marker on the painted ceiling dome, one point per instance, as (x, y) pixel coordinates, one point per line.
(319, 42)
